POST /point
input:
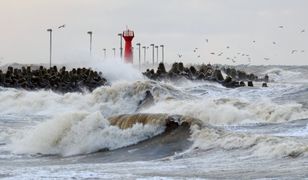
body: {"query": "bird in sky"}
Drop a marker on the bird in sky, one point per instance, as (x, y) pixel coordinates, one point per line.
(233, 61)
(228, 47)
(254, 41)
(280, 27)
(62, 26)
(293, 51)
(303, 31)
(303, 51)
(212, 53)
(180, 55)
(207, 40)
(274, 42)
(266, 59)
(220, 54)
(199, 56)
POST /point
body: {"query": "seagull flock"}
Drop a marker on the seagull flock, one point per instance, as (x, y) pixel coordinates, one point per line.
(241, 54)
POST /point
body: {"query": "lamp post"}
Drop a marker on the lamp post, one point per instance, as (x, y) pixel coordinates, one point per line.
(121, 46)
(152, 53)
(139, 49)
(144, 54)
(114, 52)
(156, 54)
(50, 46)
(162, 53)
(90, 33)
(104, 53)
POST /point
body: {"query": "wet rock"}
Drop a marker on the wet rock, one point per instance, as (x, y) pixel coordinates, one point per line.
(203, 73)
(60, 81)
(266, 78)
(250, 83)
(147, 101)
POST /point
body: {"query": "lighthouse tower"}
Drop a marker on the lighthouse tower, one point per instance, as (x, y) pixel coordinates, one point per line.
(128, 36)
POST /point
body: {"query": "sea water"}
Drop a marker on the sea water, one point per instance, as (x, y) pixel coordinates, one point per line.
(248, 132)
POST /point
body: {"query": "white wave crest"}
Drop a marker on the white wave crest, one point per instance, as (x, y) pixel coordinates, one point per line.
(232, 111)
(249, 144)
(78, 133)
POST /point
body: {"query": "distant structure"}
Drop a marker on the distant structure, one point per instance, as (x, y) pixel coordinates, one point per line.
(128, 36)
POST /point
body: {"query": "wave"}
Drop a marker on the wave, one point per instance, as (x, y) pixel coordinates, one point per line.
(122, 97)
(230, 111)
(83, 133)
(286, 75)
(249, 144)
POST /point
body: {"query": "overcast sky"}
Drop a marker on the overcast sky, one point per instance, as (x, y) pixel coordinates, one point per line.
(181, 25)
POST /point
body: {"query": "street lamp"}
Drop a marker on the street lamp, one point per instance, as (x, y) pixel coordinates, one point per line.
(139, 46)
(90, 33)
(50, 46)
(156, 54)
(104, 53)
(144, 54)
(152, 53)
(121, 47)
(114, 52)
(162, 53)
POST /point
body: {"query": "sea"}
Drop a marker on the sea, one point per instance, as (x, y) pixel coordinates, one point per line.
(242, 133)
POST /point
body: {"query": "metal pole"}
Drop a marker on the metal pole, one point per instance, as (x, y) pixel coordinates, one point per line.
(114, 53)
(90, 33)
(50, 46)
(156, 54)
(162, 53)
(121, 46)
(152, 53)
(104, 53)
(144, 54)
(139, 46)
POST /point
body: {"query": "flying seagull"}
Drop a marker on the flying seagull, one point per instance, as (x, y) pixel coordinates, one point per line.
(280, 27)
(293, 51)
(228, 47)
(274, 42)
(212, 53)
(180, 55)
(266, 59)
(62, 26)
(220, 54)
(303, 31)
(207, 40)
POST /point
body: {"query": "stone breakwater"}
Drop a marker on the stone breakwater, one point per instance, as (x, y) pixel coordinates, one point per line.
(61, 80)
(235, 78)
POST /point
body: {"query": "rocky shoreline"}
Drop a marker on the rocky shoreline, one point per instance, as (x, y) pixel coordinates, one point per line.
(61, 80)
(78, 79)
(235, 78)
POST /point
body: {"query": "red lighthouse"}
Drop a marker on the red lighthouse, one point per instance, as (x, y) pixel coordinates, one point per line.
(128, 36)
